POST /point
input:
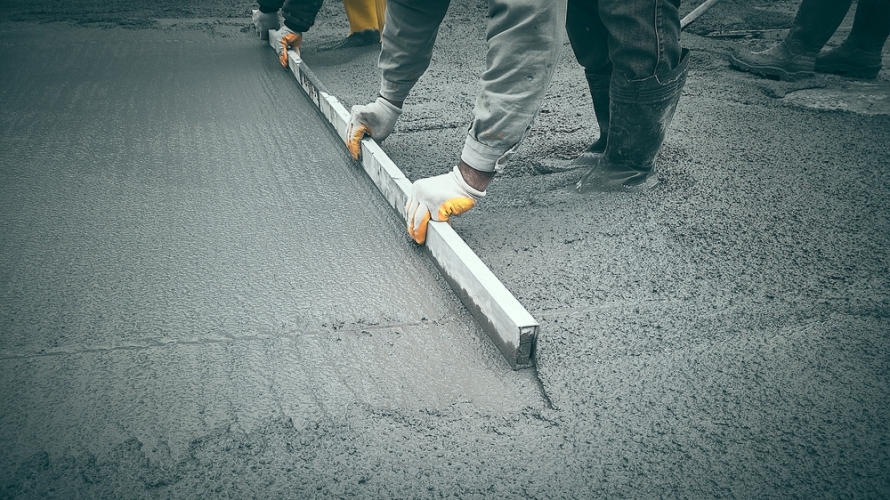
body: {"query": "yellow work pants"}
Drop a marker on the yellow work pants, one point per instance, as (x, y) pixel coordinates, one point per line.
(365, 14)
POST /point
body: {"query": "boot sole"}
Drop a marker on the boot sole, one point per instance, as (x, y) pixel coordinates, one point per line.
(774, 72)
(649, 182)
(851, 71)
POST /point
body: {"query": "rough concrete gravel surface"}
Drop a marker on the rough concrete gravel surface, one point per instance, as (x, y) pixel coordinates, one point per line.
(722, 336)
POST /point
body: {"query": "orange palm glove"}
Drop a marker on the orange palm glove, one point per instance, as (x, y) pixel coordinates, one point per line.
(438, 198)
(377, 119)
(287, 39)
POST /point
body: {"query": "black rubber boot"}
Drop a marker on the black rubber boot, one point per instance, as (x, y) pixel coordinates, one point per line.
(795, 57)
(640, 115)
(860, 54)
(357, 39)
(599, 92)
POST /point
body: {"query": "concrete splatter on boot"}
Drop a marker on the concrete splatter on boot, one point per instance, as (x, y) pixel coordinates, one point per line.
(789, 60)
(640, 115)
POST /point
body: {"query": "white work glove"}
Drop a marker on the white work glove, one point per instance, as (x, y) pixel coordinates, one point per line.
(265, 21)
(285, 39)
(438, 198)
(376, 119)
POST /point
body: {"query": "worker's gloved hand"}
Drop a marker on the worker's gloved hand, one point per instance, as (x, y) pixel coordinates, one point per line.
(438, 198)
(265, 21)
(376, 119)
(287, 39)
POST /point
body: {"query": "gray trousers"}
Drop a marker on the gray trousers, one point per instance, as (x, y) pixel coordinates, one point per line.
(524, 41)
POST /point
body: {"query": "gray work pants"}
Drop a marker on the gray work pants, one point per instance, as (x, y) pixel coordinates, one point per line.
(524, 41)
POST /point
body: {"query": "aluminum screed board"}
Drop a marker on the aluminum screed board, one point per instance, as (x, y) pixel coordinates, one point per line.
(508, 324)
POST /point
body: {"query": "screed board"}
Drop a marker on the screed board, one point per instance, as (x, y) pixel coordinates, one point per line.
(507, 323)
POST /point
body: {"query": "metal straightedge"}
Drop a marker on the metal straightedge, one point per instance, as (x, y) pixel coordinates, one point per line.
(509, 325)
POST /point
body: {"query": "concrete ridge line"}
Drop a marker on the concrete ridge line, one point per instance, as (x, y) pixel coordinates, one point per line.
(508, 324)
(154, 343)
(605, 306)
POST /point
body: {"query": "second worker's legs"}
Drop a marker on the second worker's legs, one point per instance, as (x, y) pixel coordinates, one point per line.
(860, 54)
(365, 23)
(795, 56)
(649, 70)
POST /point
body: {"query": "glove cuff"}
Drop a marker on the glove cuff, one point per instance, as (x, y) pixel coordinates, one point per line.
(472, 192)
(391, 109)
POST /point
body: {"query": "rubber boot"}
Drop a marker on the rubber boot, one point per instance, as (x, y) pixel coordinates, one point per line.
(640, 115)
(860, 54)
(357, 39)
(599, 92)
(365, 24)
(795, 56)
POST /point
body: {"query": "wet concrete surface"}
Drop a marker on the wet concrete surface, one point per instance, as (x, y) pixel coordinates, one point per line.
(723, 336)
(184, 250)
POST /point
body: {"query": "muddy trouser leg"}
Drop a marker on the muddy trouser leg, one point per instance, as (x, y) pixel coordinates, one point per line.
(524, 40)
(409, 34)
(605, 33)
(871, 26)
(860, 54)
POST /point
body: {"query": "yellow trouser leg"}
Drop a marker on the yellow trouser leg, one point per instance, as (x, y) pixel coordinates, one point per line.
(381, 13)
(364, 14)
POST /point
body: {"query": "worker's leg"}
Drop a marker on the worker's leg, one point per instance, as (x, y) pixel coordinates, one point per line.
(525, 39)
(364, 26)
(407, 46)
(795, 56)
(649, 72)
(591, 47)
(860, 54)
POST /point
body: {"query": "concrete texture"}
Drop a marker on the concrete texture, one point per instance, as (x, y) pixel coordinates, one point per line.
(723, 336)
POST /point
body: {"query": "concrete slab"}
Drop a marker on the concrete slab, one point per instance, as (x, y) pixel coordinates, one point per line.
(171, 264)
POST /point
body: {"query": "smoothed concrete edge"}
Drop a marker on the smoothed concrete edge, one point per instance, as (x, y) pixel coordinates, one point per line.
(508, 324)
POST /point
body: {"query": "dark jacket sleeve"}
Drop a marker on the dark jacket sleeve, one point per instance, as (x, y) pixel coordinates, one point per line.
(299, 15)
(270, 5)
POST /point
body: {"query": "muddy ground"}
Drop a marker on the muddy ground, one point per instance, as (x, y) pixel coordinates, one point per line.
(722, 336)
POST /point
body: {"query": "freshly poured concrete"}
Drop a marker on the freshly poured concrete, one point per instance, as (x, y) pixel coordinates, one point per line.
(724, 336)
(187, 247)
